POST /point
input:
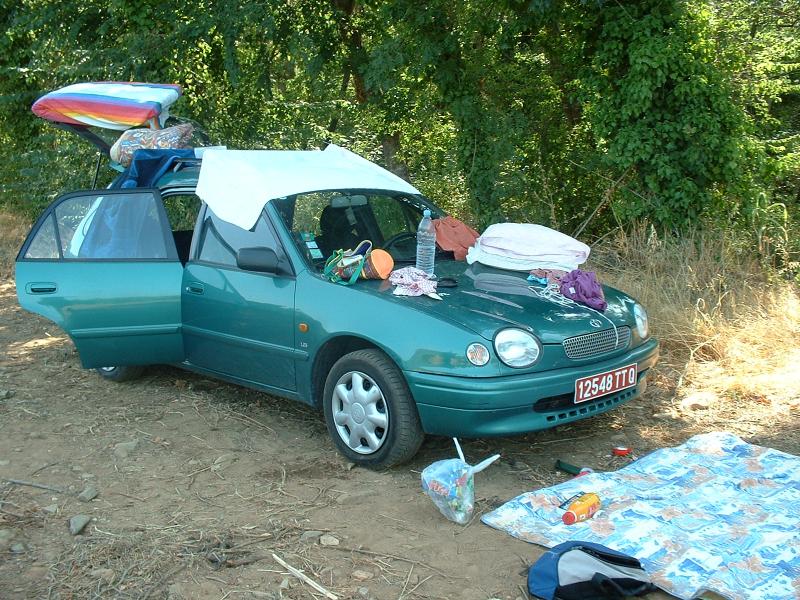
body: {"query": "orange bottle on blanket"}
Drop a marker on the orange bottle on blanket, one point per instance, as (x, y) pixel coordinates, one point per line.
(581, 508)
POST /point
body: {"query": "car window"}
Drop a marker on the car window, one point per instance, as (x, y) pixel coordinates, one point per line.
(220, 240)
(111, 226)
(102, 225)
(44, 243)
(394, 217)
(306, 211)
(323, 222)
(182, 211)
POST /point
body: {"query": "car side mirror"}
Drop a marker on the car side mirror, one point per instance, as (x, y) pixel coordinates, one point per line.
(263, 260)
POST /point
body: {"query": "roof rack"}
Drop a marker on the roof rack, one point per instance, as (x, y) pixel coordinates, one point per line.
(180, 163)
(192, 160)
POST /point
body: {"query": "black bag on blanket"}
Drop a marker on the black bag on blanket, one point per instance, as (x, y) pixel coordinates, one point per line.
(587, 571)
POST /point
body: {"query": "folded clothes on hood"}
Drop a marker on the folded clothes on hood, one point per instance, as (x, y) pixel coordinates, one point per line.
(526, 246)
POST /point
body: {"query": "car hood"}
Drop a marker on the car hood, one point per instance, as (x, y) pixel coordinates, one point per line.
(486, 299)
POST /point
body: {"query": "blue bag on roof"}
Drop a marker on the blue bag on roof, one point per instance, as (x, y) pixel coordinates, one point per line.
(149, 165)
(587, 571)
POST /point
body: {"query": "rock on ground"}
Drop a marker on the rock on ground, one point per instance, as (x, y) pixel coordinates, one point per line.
(78, 523)
(88, 494)
(329, 540)
(698, 401)
(6, 537)
(125, 449)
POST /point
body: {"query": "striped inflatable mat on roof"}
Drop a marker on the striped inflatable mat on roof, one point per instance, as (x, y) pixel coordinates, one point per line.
(109, 104)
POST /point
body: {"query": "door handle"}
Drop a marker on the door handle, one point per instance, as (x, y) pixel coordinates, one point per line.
(195, 288)
(41, 287)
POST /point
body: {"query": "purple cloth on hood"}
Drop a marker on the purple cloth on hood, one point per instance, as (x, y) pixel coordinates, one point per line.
(583, 287)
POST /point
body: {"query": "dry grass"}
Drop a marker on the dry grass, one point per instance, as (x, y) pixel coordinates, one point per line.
(13, 230)
(757, 353)
(726, 325)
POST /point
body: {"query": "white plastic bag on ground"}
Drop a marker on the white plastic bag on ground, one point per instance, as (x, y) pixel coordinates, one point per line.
(450, 484)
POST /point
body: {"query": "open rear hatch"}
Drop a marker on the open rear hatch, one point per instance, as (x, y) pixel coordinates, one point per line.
(120, 118)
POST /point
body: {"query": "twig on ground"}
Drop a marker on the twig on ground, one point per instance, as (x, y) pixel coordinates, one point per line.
(160, 583)
(251, 420)
(262, 538)
(207, 501)
(128, 496)
(560, 440)
(304, 578)
(240, 562)
(41, 486)
(13, 514)
(405, 584)
(412, 590)
(47, 466)
(394, 556)
(198, 471)
(402, 524)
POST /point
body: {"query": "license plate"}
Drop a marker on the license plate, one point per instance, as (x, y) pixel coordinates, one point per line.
(594, 386)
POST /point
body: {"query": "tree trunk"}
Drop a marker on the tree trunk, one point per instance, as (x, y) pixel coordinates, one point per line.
(356, 58)
(391, 148)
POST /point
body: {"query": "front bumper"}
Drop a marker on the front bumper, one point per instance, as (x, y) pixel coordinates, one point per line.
(495, 406)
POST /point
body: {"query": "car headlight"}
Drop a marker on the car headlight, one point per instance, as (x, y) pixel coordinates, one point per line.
(517, 348)
(640, 314)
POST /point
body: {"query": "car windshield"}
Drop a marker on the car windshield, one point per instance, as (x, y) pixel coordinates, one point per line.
(323, 222)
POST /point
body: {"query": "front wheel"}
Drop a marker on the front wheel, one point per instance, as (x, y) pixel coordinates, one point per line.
(369, 411)
(120, 374)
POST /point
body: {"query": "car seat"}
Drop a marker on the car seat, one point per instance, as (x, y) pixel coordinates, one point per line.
(337, 230)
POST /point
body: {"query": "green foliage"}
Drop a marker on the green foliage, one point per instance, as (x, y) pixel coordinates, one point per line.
(659, 104)
(578, 114)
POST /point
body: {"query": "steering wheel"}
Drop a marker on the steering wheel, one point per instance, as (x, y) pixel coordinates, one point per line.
(403, 235)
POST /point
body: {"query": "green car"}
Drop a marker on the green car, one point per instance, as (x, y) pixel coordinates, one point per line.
(220, 271)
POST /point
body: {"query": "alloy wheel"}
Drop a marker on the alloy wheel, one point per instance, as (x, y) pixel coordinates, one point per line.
(360, 412)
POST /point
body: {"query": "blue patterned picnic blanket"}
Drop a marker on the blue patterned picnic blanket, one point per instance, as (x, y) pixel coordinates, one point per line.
(714, 513)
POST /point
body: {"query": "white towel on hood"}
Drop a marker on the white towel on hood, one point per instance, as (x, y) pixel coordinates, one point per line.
(525, 246)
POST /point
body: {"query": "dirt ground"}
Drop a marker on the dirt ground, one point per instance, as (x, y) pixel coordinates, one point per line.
(199, 483)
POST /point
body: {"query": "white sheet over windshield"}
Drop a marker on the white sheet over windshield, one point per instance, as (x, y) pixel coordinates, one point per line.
(236, 184)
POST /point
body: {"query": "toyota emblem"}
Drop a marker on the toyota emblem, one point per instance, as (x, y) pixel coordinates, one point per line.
(595, 323)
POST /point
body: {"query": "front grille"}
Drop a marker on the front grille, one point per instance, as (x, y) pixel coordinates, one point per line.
(596, 343)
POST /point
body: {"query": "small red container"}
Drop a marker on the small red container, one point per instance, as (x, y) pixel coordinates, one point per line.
(621, 451)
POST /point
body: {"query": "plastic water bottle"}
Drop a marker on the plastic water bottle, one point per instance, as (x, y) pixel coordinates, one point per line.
(426, 243)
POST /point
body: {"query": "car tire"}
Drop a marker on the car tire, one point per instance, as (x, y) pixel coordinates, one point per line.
(120, 374)
(369, 411)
